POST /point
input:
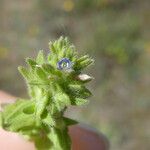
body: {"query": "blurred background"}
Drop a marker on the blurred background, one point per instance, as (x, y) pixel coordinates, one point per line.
(116, 33)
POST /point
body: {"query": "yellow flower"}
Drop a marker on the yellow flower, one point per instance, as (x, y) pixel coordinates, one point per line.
(68, 5)
(3, 52)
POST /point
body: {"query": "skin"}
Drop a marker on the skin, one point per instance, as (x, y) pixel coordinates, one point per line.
(82, 138)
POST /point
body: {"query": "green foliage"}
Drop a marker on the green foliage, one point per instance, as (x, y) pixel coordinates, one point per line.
(88, 5)
(54, 83)
(123, 37)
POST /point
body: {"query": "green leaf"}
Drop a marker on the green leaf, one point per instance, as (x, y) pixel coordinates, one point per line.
(83, 62)
(60, 139)
(13, 110)
(52, 47)
(69, 121)
(31, 63)
(40, 58)
(22, 121)
(25, 73)
(61, 100)
(48, 68)
(80, 101)
(40, 73)
(86, 63)
(86, 93)
(83, 58)
(79, 91)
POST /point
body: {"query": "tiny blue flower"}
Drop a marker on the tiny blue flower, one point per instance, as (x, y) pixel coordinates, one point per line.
(64, 64)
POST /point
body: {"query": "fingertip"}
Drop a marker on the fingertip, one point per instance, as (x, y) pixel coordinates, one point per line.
(13, 141)
(6, 98)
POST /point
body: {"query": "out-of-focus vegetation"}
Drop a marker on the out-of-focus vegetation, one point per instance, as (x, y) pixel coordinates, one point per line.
(115, 32)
